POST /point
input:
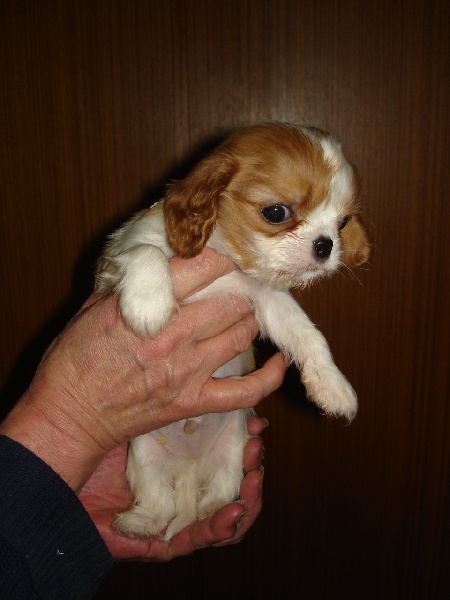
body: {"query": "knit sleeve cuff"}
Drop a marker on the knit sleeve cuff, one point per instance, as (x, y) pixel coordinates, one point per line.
(48, 527)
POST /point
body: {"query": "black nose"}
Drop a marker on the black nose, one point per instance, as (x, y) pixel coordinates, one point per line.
(323, 247)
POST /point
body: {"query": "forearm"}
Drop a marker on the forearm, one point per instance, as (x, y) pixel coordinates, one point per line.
(42, 423)
(54, 445)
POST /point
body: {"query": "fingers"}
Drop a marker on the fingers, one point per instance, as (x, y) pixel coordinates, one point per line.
(202, 320)
(256, 425)
(209, 532)
(190, 275)
(222, 348)
(210, 317)
(228, 525)
(231, 393)
(251, 499)
(252, 455)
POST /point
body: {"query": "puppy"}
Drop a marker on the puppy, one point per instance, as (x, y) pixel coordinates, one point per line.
(281, 201)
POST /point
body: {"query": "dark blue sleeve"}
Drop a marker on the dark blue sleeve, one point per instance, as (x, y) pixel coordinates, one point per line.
(49, 546)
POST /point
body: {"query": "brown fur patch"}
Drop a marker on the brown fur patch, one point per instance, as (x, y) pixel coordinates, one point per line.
(256, 167)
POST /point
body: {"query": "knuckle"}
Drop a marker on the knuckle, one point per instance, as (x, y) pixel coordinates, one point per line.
(243, 334)
(161, 347)
(239, 304)
(176, 335)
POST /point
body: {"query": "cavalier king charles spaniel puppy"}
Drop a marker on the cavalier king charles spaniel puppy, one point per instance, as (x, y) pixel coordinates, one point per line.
(281, 201)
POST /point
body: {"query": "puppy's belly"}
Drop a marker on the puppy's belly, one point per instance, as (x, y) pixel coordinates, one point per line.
(237, 366)
(192, 438)
(187, 470)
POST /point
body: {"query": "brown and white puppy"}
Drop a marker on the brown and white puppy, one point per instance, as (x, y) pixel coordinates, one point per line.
(281, 202)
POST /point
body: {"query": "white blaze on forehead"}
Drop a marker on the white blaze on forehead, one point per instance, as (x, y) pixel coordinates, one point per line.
(332, 152)
(341, 185)
(341, 188)
(322, 221)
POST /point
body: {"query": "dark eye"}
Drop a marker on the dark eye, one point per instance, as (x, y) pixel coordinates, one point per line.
(278, 213)
(343, 222)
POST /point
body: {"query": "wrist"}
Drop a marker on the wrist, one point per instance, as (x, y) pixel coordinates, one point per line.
(65, 447)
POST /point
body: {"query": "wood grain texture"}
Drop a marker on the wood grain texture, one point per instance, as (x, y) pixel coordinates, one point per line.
(103, 101)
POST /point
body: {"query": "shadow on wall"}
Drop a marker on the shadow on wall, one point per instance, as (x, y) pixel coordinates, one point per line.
(82, 282)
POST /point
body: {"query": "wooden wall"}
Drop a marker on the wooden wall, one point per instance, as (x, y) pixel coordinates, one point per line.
(102, 101)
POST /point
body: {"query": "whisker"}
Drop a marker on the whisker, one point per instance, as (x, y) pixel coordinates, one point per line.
(350, 271)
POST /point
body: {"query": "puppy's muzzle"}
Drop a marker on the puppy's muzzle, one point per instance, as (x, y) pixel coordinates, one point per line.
(322, 247)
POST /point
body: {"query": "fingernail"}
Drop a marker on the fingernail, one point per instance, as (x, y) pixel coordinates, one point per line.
(265, 422)
(238, 521)
(261, 470)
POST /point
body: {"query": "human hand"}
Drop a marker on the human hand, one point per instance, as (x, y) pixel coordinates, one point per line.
(107, 492)
(100, 385)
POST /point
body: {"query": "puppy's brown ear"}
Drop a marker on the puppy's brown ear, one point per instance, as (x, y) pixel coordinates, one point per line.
(356, 246)
(191, 205)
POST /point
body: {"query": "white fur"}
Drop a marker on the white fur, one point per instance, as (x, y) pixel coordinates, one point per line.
(188, 470)
(178, 477)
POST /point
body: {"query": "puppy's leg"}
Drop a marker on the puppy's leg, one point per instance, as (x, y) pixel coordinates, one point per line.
(142, 280)
(222, 468)
(286, 324)
(186, 489)
(150, 475)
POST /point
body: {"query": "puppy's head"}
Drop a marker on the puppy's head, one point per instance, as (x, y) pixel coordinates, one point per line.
(280, 200)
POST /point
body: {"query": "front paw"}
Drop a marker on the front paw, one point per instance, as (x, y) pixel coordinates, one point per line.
(329, 390)
(146, 313)
(145, 290)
